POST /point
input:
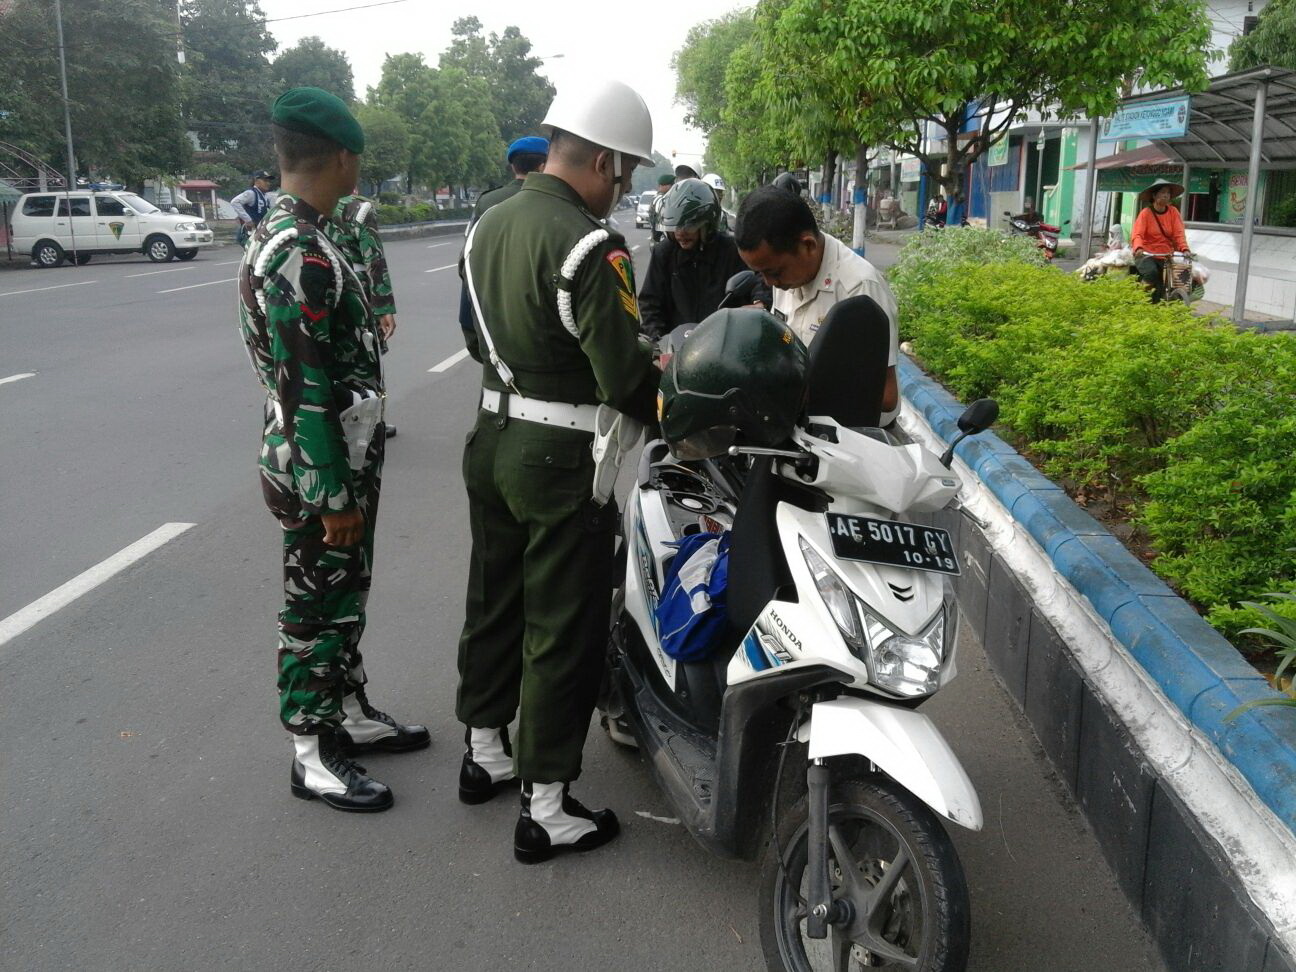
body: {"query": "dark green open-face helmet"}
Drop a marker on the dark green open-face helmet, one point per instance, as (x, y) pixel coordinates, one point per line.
(690, 203)
(740, 376)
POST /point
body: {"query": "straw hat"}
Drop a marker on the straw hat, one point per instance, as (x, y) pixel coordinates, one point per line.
(1145, 197)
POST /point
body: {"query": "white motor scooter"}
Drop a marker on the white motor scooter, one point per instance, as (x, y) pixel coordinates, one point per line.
(842, 621)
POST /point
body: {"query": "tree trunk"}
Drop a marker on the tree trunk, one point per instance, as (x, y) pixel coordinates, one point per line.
(829, 174)
(860, 198)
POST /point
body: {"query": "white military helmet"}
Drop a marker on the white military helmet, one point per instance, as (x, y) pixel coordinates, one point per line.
(608, 113)
(714, 181)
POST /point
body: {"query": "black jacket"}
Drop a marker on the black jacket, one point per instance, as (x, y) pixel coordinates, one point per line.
(685, 286)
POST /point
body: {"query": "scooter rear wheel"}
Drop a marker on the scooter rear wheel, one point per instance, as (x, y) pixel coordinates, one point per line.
(891, 859)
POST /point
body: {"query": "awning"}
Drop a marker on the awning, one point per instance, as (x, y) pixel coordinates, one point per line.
(1132, 158)
(199, 184)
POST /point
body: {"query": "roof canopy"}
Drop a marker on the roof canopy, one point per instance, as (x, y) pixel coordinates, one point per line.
(1221, 119)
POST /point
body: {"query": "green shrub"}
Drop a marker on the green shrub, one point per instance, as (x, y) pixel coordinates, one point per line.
(1222, 511)
(389, 215)
(389, 198)
(933, 252)
(421, 213)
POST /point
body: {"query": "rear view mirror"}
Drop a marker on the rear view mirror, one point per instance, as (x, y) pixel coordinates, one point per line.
(978, 416)
(739, 289)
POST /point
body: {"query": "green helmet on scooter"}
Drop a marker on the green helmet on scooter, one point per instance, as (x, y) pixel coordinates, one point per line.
(740, 375)
(690, 204)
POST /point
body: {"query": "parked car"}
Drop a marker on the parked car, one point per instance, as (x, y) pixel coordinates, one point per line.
(50, 225)
(643, 212)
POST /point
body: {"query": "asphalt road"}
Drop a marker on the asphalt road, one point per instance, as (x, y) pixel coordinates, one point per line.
(143, 776)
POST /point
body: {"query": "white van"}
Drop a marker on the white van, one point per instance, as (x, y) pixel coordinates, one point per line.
(49, 225)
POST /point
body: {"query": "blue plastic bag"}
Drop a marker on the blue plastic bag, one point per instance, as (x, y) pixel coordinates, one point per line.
(691, 614)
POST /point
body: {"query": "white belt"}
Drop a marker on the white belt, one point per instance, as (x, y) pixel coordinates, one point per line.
(560, 414)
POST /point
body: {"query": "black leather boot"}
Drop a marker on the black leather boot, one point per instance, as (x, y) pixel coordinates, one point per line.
(487, 765)
(321, 772)
(364, 729)
(553, 820)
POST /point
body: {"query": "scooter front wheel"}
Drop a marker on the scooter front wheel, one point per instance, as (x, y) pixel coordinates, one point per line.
(895, 866)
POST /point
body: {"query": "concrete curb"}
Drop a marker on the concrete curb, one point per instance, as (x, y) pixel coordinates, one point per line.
(413, 231)
(1127, 689)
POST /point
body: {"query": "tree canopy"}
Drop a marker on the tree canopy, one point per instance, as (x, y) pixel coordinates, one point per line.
(1273, 41)
(311, 62)
(122, 87)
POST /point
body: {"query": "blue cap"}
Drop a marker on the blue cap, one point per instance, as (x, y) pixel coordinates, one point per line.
(529, 145)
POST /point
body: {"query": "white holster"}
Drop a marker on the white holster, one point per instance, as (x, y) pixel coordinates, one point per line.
(359, 420)
(615, 435)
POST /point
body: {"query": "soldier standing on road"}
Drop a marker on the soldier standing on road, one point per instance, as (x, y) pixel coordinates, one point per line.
(553, 291)
(251, 205)
(525, 155)
(664, 182)
(314, 344)
(354, 229)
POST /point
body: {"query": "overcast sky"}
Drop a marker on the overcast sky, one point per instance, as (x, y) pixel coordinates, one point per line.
(596, 40)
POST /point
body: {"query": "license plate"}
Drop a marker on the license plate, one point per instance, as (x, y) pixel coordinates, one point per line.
(890, 542)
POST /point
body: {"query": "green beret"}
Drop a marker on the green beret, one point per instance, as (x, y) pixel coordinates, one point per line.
(313, 111)
(665, 180)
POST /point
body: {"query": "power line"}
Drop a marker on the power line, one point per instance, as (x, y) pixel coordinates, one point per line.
(321, 13)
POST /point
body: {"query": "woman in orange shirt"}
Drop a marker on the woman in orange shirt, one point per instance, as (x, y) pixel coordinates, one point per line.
(1158, 232)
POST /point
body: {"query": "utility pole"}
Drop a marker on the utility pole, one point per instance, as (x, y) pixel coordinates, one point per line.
(67, 123)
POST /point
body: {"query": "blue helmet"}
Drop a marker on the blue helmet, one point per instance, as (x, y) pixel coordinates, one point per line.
(528, 145)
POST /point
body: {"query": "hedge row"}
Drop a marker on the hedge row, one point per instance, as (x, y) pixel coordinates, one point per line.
(389, 215)
(1178, 421)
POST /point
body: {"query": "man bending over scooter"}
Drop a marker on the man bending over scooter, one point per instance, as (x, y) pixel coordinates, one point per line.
(777, 237)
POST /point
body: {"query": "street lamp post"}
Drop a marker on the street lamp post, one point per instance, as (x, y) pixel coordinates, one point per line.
(67, 124)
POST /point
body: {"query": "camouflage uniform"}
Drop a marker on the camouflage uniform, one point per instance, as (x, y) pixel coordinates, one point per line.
(354, 229)
(315, 348)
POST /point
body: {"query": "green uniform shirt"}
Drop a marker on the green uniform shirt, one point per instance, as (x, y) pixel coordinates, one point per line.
(315, 348)
(518, 250)
(493, 197)
(354, 228)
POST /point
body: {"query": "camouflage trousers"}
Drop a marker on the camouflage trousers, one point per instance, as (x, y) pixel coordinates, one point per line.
(323, 616)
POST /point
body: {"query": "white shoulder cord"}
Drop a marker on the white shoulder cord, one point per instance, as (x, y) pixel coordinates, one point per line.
(277, 242)
(363, 211)
(504, 371)
(574, 259)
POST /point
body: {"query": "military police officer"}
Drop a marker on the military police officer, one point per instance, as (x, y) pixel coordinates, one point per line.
(314, 345)
(554, 295)
(354, 229)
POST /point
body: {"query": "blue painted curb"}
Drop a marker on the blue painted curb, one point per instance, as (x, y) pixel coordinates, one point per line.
(1198, 669)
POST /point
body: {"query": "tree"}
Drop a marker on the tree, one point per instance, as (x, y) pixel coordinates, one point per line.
(386, 143)
(407, 87)
(311, 62)
(700, 67)
(1273, 41)
(519, 95)
(228, 83)
(884, 71)
(122, 87)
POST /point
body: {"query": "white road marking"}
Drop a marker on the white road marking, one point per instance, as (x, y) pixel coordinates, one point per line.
(449, 362)
(36, 290)
(635, 248)
(209, 283)
(649, 816)
(227, 263)
(446, 267)
(25, 374)
(433, 246)
(150, 273)
(59, 598)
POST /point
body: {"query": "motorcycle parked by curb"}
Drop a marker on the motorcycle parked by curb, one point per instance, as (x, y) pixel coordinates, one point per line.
(798, 741)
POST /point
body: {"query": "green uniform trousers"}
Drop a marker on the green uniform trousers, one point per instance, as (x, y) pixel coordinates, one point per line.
(539, 592)
(326, 590)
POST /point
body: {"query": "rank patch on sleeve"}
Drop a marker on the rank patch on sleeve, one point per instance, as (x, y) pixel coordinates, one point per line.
(624, 267)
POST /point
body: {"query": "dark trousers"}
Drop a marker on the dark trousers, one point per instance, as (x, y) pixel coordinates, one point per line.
(535, 631)
(1151, 270)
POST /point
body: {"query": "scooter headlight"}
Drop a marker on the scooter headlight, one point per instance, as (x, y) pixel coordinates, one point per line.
(904, 664)
(835, 593)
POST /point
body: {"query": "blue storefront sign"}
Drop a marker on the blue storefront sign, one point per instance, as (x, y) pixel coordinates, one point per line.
(1147, 119)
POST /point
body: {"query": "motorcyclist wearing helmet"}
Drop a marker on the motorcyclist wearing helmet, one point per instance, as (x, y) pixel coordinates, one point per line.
(689, 268)
(555, 312)
(810, 271)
